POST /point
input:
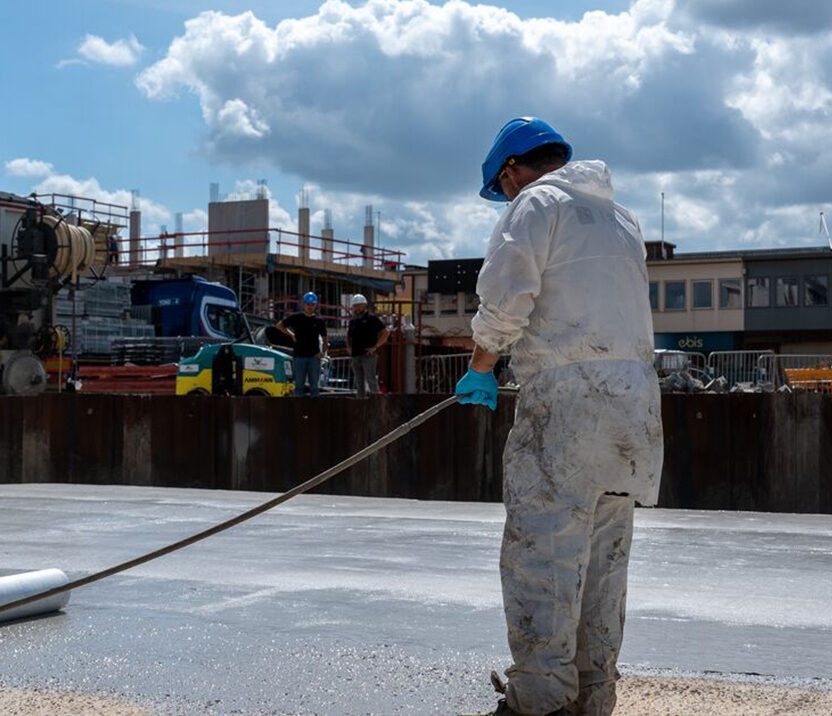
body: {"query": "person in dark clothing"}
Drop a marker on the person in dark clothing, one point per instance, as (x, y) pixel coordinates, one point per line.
(366, 333)
(305, 328)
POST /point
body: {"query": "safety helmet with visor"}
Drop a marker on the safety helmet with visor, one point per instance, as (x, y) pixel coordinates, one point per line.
(517, 137)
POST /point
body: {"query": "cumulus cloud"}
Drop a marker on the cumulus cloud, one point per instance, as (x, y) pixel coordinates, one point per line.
(96, 50)
(724, 105)
(401, 97)
(424, 230)
(25, 167)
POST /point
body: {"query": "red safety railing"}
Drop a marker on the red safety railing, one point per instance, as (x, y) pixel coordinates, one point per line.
(150, 250)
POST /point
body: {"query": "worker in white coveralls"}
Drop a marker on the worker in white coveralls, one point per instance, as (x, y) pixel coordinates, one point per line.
(564, 288)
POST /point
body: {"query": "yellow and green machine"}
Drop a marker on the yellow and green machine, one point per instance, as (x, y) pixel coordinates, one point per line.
(236, 369)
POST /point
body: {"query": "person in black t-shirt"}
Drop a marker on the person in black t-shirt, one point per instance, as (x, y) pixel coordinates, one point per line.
(305, 329)
(366, 333)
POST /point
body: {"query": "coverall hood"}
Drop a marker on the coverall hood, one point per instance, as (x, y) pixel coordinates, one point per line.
(590, 177)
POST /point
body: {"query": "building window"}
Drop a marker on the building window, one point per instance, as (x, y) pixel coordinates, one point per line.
(758, 293)
(654, 295)
(785, 292)
(703, 294)
(674, 296)
(816, 291)
(430, 304)
(730, 293)
(472, 302)
(448, 304)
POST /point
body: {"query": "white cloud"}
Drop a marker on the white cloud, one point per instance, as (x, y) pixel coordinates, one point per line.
(93, 49)
(25, 167)
(401, 97)
(724, 104)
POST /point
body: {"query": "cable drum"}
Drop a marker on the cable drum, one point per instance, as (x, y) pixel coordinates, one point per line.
(75, 247)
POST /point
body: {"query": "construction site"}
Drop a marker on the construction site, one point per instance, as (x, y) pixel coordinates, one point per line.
(553, 438)
(104, 430)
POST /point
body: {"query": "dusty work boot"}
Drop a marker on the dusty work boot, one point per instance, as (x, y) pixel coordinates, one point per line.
(503, 709)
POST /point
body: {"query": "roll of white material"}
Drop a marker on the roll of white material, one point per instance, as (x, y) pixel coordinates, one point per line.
(18, 586)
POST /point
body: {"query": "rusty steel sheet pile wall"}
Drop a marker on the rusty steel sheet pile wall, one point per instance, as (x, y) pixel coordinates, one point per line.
(768, 452)
(252, 443)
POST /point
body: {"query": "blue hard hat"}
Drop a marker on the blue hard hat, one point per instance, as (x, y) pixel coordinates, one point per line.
(517, 137)
(310, 297)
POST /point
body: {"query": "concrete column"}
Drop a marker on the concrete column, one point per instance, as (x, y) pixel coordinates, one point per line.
(303, 232)
(328, 235)
(135, 235)
(369, 243)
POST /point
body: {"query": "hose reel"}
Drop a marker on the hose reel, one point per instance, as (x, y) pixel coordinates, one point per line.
(49, 247)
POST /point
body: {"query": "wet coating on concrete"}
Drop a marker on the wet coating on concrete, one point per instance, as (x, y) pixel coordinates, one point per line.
(339, 605)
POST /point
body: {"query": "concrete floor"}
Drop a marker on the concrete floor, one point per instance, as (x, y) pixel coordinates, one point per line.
(337, 605)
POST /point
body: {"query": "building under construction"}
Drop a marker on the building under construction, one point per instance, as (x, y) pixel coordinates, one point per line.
(269, 268)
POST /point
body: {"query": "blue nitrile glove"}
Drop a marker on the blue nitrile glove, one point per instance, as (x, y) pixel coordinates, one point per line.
(478, 388)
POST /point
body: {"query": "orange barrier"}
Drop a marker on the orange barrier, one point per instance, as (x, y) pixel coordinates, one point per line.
(817, 379)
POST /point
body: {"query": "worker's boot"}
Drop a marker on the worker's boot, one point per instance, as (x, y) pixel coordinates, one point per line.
(503, 709)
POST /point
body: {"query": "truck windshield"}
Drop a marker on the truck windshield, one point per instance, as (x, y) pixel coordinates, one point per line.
(226, 320)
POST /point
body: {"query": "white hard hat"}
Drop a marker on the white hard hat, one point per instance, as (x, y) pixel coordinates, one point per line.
(358, 298)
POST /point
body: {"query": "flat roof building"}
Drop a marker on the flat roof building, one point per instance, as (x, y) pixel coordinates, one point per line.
(776, 299)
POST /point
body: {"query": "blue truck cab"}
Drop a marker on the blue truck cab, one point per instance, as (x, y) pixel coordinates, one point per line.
(191, 306)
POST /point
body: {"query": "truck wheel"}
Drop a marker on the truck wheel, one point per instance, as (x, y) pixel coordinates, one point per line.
(198, 391)
(257, 392)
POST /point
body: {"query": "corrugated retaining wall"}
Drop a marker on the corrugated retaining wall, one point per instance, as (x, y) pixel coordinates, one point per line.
(769, 452)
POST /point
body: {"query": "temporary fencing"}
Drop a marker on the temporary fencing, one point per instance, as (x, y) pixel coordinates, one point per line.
(336, 375)
(667, 362)
(440, 373)
(739, 367)
(798, 371)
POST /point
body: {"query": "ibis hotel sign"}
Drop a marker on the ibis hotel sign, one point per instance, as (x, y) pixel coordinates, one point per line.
(698, 342)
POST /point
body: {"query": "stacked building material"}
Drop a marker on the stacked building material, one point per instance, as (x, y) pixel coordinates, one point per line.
(157, 351)
(102, 315)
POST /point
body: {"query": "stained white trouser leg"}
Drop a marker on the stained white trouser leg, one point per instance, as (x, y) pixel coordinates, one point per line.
(580, 431)
(546, 548)
(603, 607)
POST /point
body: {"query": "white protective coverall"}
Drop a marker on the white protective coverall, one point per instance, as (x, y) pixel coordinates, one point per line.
(564, 285)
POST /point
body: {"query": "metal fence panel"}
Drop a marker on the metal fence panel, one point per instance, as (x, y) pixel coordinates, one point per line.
(667, 362)
(739, 367)
(336, 375)
(440, 373)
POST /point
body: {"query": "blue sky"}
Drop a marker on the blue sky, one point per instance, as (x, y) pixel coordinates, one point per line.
(723, 105)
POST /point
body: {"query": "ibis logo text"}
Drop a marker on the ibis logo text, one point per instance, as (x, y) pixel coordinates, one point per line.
(690, 343)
